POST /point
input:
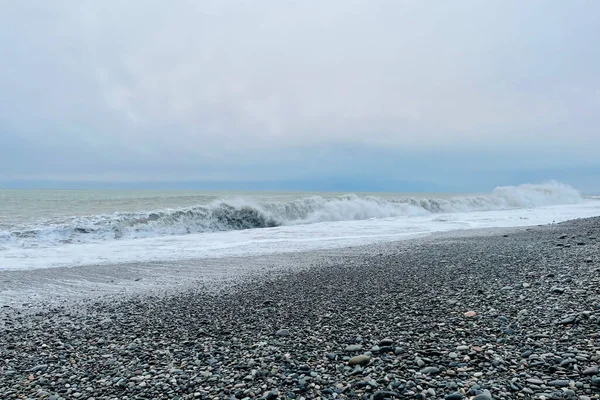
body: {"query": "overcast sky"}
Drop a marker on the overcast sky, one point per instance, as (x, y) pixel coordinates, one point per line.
(464, 94)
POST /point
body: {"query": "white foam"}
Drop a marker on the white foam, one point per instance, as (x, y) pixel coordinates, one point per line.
(235, 214)
(292, 238)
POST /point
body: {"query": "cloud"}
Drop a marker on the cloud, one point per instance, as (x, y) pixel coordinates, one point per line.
(119, 87)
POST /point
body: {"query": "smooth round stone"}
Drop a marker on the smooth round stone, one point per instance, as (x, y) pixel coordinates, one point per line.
(567, 362)
(454, 396)
(453, 355)
(591, 370)
(384, 394)
(462, 348)
(526, 353)
(486, 395)
(283, 332)
(559, 383)
(359, 360)
(385, 342)
(353, 347)
(430, 371)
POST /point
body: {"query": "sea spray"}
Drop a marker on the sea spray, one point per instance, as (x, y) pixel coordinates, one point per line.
(240, 214)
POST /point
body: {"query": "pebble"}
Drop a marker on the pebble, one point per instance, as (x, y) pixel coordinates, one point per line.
(486, 395)
(283, 332)
(430, 371)
(353, 348)
(534, 381)
(384, 394)
(359, 360)
(38, 368)
(590, 370)
(570, 319)
(559, 383)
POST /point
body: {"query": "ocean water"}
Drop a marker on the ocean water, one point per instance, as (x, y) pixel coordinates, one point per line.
(70, 228)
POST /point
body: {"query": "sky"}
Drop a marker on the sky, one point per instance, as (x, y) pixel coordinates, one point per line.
(355, 94)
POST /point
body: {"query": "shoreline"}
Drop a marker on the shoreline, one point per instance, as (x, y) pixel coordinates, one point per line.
(295, 334)
(53, 286)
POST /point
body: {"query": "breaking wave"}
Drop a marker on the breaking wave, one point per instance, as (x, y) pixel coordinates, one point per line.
(238, 214)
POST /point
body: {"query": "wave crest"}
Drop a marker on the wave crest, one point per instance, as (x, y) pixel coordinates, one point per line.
(239, 214)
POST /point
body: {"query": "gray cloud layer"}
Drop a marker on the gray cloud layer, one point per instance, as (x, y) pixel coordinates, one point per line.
(240, 89)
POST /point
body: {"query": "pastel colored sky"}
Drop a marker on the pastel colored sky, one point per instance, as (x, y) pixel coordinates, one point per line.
(464, 95)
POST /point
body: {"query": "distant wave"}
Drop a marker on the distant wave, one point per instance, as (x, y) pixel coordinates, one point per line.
(238, 214)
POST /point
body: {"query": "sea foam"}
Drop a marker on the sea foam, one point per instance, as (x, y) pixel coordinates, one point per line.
(241, 214)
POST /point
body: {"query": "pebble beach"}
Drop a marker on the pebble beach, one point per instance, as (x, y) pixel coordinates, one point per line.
(507, 315)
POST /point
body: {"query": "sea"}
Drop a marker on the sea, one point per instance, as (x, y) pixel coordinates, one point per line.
(41, 229)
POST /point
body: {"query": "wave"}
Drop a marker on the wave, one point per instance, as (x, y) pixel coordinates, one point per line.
(239, 214)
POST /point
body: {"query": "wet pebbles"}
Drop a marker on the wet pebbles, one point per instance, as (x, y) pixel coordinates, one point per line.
(485, 317)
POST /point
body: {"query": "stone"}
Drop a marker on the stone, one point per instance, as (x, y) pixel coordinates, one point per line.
(353, 347)
(430, 371)
(384, 394)
(557, 290)
(454, 396)
(283, 332)
(591, 370)
(360, 360)
(486, 395)
(534, 381)
(568, 361)
(470, 314)
(386, 342)
(559, 383)
(38, 368)
(357, 370)
(567, 320)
